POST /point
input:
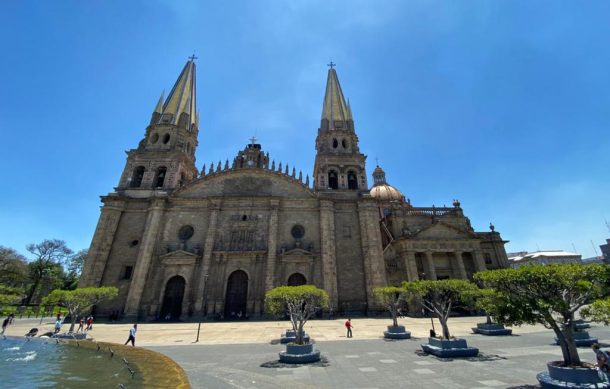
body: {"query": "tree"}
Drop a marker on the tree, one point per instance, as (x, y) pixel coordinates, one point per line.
(47, 254)
(75, 265)
(440, 297)
(79, 300)
(598, 311)
(13, 268)
(393, 298)
(547, 294)
(10, 295)
(301, 303)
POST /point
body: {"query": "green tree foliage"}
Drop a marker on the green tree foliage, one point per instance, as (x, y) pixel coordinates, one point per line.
(598, 311)
(300, 302)
(440, 297)
(547, 294)
(13, 268)
(393, 298)
(80, 300)
(49, 256)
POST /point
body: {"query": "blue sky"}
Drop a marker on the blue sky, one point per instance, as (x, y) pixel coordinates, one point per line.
(500, 104)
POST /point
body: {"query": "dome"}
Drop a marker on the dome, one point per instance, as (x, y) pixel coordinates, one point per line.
(385, 192)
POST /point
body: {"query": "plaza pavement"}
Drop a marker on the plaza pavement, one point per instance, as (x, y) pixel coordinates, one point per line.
(244, 354)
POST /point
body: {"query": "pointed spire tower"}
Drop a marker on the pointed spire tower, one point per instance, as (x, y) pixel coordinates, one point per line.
(339, 164)
(165, 158)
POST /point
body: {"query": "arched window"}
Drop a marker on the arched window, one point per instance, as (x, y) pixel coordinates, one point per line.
(333, 180)
(352, 180)
(160, 177)
(344, 143)
(138, 175)
(335, 143)
(296, 279)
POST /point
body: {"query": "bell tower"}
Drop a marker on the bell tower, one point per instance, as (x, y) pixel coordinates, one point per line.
(339, 164)
(165, 158)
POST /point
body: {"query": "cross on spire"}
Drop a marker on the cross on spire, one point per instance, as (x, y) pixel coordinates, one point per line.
(253, 139)
(331, 64)
(192, 57)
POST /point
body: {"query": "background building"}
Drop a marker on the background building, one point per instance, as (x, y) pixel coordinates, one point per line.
(177, 240)
(542, 257)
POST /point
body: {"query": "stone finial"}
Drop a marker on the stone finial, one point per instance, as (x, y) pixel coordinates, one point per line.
(294, 172)
(307, 181)
(211, 168)
(203, 170)
(226, 165)
(492, 227)
(286, 172)
(279, 169)
(300, 176)
(456, 203)
(273, 165)
(218, 166)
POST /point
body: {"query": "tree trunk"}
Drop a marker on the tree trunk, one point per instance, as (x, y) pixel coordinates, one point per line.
(300, 333)
(394, 317)
(568, 347)
(488, 319)
(30, 295)
(73, 321)
(444, 326)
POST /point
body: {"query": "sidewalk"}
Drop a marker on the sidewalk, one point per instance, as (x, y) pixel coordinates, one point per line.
(243, 332)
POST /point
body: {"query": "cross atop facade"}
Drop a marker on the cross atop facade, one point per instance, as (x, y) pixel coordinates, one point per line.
(192, 57)
(376, 161)
(331, 64)
(253, 139)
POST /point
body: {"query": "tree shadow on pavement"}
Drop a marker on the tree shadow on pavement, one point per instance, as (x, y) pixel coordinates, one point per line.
(482, 357)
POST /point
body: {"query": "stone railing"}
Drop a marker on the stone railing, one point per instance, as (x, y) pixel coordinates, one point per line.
(430, 211)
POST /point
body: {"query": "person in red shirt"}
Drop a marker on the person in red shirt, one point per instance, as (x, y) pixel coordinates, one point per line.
(349, 326)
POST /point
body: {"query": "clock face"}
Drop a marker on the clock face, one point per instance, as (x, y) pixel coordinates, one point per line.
(250, 163)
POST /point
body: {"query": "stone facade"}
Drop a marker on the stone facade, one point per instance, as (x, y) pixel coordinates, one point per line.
(177, 241)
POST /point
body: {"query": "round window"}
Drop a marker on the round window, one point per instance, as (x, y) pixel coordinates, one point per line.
(344, 143)
(165, 138)
(185, 232)
(298, 231)
(154, 138)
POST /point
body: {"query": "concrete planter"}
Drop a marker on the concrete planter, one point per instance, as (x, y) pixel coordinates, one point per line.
(582, 339)
(581, 325)
(449, 348)
(291, 336)
(396, 332)
(299, 353)
(492, 329)
(571, 377)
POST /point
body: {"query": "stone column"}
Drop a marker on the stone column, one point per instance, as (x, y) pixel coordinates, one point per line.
(411, 265)
(272, 246)
(372, 251)
(145, 254)
(206, 259)
(479, 261)
(459, 262)
(100, 246)
(327, 251)
(430, 269)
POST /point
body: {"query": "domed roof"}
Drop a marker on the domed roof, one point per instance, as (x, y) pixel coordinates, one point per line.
(385, 192)
(381, 190)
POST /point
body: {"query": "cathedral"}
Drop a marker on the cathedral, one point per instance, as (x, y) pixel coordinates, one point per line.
(178, 241)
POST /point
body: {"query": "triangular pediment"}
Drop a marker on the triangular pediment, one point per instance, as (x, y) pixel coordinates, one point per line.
(297, 252)
(441, 230)
(178, 257)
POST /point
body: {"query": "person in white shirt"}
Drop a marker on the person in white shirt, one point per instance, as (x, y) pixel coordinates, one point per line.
(132, 336)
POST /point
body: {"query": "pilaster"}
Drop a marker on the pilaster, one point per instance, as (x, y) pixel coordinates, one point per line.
(328, 253)
(140, 274)
(459, 263)
(479, 261)
(100, 246)
(430, 269)
(272, 246)
(206, 259)
(371, 249)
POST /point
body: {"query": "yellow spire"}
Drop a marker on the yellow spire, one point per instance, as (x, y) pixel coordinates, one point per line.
(334, 107)
(159, 107)
(182, 99)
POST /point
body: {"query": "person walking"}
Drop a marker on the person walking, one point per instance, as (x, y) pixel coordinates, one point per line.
(58, 324)
(132, 336)
(349, 326)
(7, 322)
(89, 323)
(81, 325)
(603, 359)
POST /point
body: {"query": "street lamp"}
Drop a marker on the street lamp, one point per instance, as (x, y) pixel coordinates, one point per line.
(204, 308)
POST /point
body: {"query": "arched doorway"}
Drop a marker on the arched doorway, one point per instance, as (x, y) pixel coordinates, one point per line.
(333, 180)
(237, 295)
(172, 300)
(296, 279)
